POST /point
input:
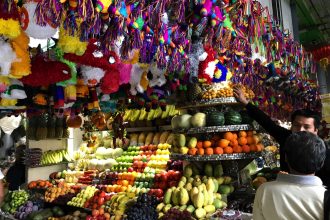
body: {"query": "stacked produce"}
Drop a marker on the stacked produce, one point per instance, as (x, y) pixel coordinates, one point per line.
(147, 138)
(24, 210)
(177, 214)
(210, 117)
(39, 184)
(199, 195)
(33, 156)
(85, 194)
(119, 203)
(13, 200)
(133, 115)
(222, 90)
(224, 143)
(98, 201)
(56, 156)
(54, 192)
(144, 208)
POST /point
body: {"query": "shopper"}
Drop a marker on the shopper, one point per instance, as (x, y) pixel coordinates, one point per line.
(299, 194)
(16, 173)
(302, 120)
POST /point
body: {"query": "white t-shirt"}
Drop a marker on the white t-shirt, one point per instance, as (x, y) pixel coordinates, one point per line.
(290, 197)
(1, 175)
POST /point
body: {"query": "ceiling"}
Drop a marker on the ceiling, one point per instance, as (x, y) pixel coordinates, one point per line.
(314, 22)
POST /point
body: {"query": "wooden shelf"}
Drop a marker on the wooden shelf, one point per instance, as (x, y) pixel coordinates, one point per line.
(48, 165)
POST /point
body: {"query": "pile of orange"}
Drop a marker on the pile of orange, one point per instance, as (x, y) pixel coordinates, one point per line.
(230, 142)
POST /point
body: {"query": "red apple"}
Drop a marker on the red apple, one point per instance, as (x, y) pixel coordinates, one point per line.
(158, 192)
(100, 201)
(102, 194)
(130, 169)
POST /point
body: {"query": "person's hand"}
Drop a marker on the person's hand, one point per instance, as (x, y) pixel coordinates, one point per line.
(239, 95)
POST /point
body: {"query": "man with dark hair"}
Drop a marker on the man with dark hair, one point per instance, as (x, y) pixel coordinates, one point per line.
(302, 120)
(299, 194)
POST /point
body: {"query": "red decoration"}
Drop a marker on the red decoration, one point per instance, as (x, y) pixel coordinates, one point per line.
(322, 52)
(46, 72)
(108, 62)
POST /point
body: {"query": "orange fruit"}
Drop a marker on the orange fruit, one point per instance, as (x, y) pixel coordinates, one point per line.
(107, 216)
(246, 149)
(218, 150)
(228, 136)
(233, 143)
(250, 140)
(235, 135)
(192, 151)
(200, 151)
(199, 144)
(101, 211)
(242, 134)
(260, 147)
(223, 143)
(253, 148)
(249, 133)
(242, 141)
(228, 150)
(125, 183)
(209, 151)
(256, 139)
(207, 144)
(237, 149)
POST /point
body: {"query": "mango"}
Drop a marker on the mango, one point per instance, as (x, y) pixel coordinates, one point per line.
(220, 180)
(188, 186)
(188, 171)
(176, 196)
(190, 180)
(224, 189)
(211, 197)
(190, 208)
(195, 170)
(167, 207)
(209, 208)
(198, 200)
(181, 140)
(227, 180)
(208, 170)
(200, 213)
(217, 170)
(181, 184)
(206, 197)
(197, 182)
(210, 185)
(184, 196)
(217, 196)
(167, 196)
(192, 143)
(217, 203)
(160, 206)
(194, 191)
(216, 185)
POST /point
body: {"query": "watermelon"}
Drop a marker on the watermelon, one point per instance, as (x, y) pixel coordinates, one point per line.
(215, 119)
(233, 118)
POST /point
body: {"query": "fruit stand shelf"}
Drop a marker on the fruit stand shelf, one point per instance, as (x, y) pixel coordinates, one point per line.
(140, 129)
(47, 165)
(215, 157)
(214, 129)
(208, 102)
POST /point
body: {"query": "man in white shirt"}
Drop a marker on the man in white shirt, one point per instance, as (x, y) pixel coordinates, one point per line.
(299, 194)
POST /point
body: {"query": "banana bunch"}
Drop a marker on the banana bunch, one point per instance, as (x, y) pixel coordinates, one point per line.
(119, 202)
(142, 114)
(57, 156)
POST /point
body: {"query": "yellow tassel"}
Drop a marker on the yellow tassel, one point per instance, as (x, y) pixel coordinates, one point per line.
(71, 44)
(23, 66)
(10, 28)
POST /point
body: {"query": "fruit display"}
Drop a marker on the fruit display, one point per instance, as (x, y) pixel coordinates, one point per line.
(118, 203)
(198, 194)
(223, 143)
(13, 200)
(98, 200)
(85, 194)
(54, 192)
(39, 184)
(176, 214)
(144, 208)
(53, 157)
(222, 90)
(24, 210)
(141, 114)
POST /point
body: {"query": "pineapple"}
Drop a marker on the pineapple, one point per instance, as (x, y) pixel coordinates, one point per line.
(51, 127)
(41, 132)
(194, 92)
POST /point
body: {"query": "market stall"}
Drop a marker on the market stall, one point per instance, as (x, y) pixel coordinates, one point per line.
(130, 113)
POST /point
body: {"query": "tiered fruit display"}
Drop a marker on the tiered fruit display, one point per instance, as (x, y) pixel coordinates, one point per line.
(98, 201)
(54, 192)
(225, 143)
(118, 203)
(147, 138)
(144, 208)
(39, 184)
(57, 156)
(141, 114)
(222, 90)
(83, 196)
(13, 200)
(24, 210)
(200, 195)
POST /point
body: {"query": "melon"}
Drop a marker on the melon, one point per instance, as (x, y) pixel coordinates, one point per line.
(198, 120)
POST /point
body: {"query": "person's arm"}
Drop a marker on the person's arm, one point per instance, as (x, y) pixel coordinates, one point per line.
(278, 132)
